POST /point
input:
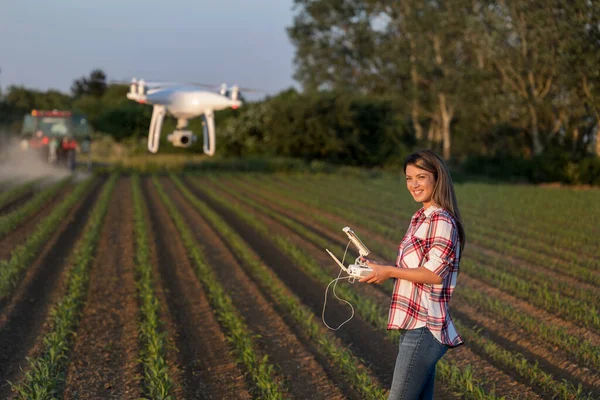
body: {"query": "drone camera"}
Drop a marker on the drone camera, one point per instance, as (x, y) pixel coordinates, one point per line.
(182, 138)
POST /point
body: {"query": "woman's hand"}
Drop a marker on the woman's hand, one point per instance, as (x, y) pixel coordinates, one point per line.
(379, 274)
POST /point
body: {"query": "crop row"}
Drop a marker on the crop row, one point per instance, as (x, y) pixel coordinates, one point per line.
(158, 385)
(21, 257)
(10, 221)
(46, 372)
(586, 352)
(16, 192)
(239, 335)
(506, 359)
(538, 294)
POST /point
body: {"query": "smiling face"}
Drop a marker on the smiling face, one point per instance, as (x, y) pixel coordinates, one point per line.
(420, 184)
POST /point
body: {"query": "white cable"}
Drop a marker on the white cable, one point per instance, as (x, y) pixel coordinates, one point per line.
(351, 279)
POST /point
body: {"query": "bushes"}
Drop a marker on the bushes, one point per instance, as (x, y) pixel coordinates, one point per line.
(340, 128)
(553, 166)
(589, 170)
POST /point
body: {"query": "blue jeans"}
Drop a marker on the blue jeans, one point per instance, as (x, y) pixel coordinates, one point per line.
(414, 373)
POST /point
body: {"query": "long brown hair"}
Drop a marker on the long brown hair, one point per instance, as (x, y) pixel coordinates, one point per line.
(443, 191)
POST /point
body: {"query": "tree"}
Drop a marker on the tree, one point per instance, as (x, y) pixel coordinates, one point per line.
(524, 39)
(580, 80)
(415, 50)
(94, 86)
(337, 47)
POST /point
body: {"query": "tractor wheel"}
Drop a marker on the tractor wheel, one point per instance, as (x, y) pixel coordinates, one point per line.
(71, 160)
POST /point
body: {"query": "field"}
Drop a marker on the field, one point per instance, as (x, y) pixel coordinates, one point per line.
(212, 286)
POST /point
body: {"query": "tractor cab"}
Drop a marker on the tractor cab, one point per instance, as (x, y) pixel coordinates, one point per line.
(56, 136)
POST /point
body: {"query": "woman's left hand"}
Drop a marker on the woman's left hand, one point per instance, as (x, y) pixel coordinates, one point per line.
(379, 274)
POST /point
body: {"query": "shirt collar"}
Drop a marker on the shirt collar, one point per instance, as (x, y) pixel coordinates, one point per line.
(430, 210)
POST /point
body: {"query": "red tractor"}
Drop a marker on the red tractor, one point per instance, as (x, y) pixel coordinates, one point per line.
(56, 136)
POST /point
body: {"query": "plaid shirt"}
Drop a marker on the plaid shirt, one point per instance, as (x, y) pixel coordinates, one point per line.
(431, 241)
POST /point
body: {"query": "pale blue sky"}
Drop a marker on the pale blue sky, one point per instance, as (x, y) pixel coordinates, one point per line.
(47, 44)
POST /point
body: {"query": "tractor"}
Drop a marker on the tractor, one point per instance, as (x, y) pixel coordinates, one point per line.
(56, 136)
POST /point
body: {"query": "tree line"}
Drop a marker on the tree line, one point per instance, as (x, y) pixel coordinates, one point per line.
(493, 71)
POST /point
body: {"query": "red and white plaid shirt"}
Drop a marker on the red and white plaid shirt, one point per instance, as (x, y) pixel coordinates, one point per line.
(431, 241)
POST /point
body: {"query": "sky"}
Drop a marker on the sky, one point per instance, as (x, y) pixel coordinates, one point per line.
(48, 44)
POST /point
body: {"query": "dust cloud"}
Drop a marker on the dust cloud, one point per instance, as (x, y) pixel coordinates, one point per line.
(18, 165)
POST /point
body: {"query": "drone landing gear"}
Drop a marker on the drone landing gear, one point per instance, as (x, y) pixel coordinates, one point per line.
(158, 115)
(208, 125)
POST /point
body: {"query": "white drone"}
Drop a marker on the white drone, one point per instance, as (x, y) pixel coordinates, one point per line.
(183, 103)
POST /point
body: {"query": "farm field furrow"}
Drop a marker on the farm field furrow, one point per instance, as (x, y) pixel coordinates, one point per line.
(204, 355)
(574, 347)
(548, 365)
(303, 376)
(22, 317)
(282, 232)
(103, 360)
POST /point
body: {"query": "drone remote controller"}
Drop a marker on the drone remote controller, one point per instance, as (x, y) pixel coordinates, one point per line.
(355, 271)
(359, 269)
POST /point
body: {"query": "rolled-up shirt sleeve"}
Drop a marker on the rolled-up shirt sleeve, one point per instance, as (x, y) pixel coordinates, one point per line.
(443, 239)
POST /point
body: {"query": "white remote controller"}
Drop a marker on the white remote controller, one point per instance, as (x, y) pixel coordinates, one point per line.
(359, 271)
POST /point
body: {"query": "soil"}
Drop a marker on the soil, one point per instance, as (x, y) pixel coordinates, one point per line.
(205, 358)
(23, 317)
(27, 227)
(104, 357)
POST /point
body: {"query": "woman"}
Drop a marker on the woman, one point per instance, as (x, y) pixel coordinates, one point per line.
(425, 271)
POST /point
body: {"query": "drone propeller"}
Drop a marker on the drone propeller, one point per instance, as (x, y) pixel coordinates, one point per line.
(224, 86)
(155, 84)
(148, 84)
